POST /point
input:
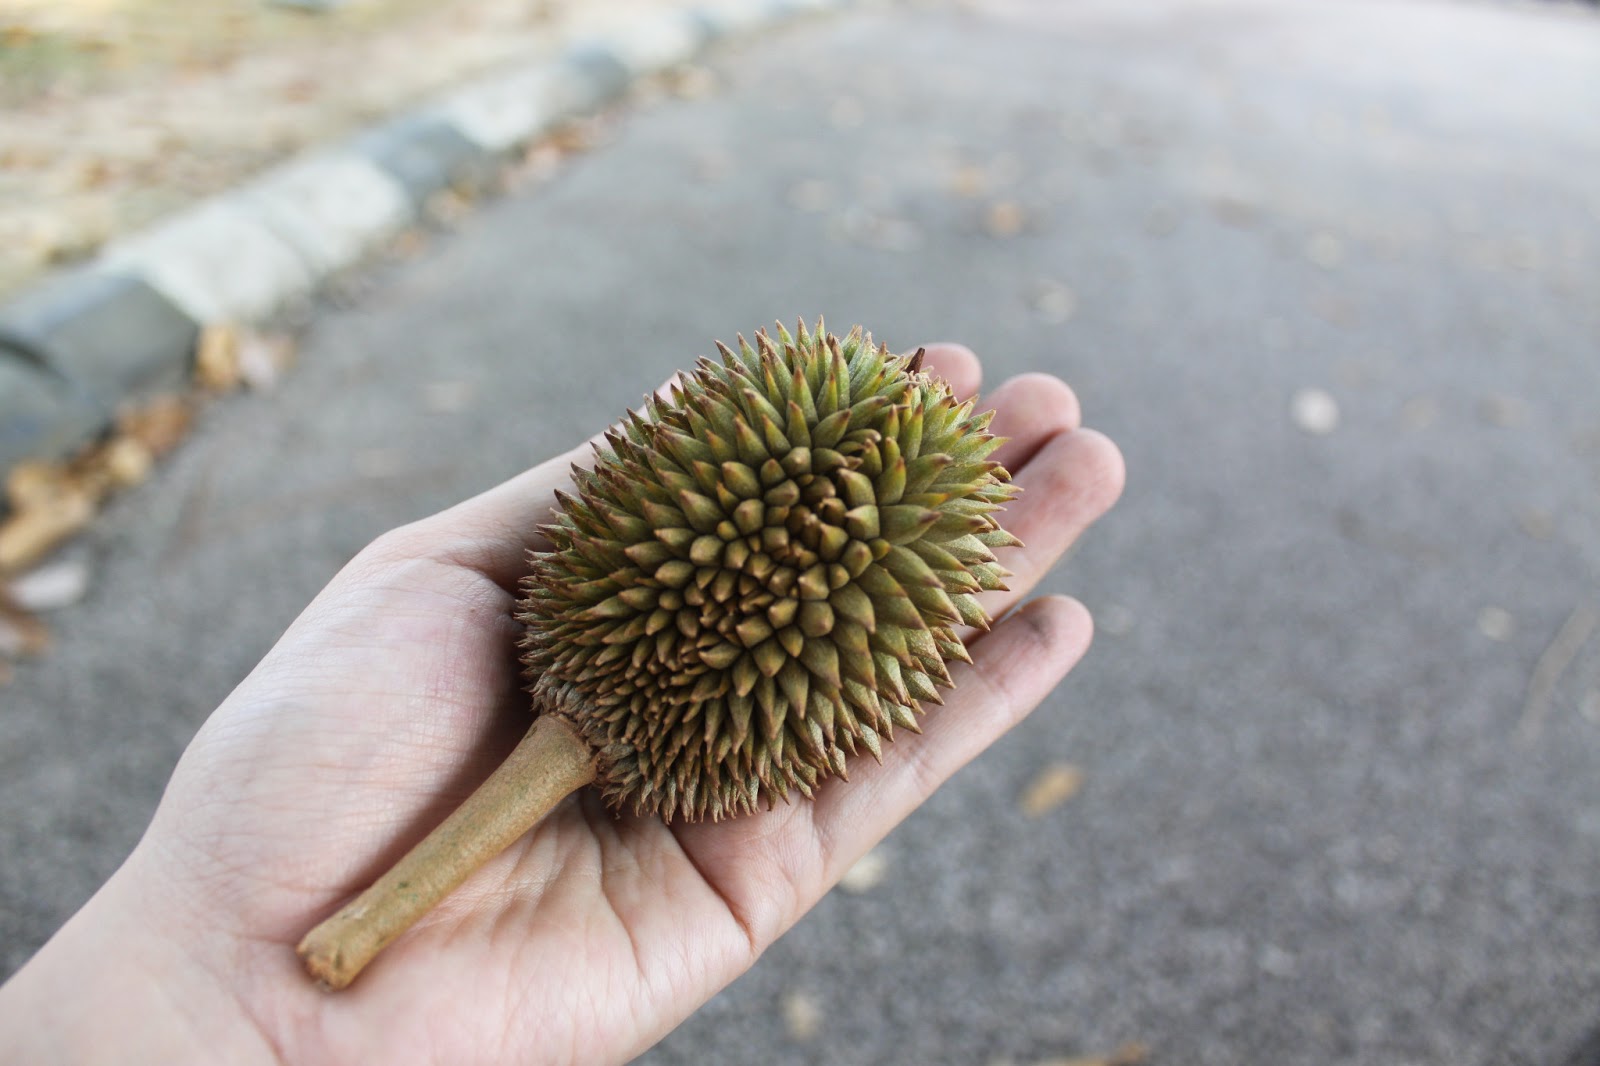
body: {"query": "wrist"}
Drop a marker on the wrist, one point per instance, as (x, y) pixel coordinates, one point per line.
(112, 987)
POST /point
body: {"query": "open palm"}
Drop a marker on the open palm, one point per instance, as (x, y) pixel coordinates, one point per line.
(398, 690)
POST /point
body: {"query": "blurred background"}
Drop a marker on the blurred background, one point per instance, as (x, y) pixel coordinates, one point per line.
(1326, 789)
(118, 112)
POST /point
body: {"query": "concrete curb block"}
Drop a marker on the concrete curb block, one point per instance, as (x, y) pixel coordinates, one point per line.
(331, 209)
(499, 113)
(656, 44)
(44, 417)
(219, 262)
(102, 334)
(73, 347)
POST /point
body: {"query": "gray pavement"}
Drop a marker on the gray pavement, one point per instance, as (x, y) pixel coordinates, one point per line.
(1334, 809)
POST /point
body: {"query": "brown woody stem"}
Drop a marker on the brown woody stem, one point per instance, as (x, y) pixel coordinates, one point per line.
(551, 762)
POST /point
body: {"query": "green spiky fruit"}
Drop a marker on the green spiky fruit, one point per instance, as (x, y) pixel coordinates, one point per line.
(764, 571)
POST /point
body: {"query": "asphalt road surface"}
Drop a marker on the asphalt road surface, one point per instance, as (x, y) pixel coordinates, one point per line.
(1330, 275)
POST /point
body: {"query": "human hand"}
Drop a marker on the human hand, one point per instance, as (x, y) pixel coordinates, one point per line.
(382, 707)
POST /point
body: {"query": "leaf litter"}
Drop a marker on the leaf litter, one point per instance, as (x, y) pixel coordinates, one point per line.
(1050, 788)
(48, 502)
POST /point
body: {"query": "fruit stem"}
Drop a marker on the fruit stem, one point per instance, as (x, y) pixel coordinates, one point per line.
(549, 763)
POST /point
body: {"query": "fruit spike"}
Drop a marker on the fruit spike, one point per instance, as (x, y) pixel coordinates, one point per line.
(762, 574)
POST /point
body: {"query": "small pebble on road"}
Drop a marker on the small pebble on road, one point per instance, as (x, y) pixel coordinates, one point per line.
(866, 874)
(801, 1015)
(50, 587)
(1496, 623)
(1053, 301)
(1315, 411)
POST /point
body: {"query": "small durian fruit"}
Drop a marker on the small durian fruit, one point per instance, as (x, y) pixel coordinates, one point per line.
(762, 575)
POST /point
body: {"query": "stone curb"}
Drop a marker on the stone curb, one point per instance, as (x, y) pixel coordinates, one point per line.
(75, 346)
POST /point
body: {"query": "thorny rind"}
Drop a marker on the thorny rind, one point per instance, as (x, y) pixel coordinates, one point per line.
(764, 571)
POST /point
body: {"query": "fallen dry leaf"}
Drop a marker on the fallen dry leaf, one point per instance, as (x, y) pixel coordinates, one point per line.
(407, 245)
(115, 463)
(969, 181)
(691, 82)
(126, 461)
(578, 135)
(20, 632)
(1050, 788)
(216, 358)
(539, 162)
(447, 207)
(1553, 662)
(160, 424)
(34, 481)
(1004, 219)
(29, 535)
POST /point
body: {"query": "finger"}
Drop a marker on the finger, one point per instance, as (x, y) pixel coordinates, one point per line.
(771, 867)
(956, 364)
(1028, 410)
(1070, 481)
(1026, 657)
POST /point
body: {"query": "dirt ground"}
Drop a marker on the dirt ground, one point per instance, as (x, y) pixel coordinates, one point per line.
(116, 112)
